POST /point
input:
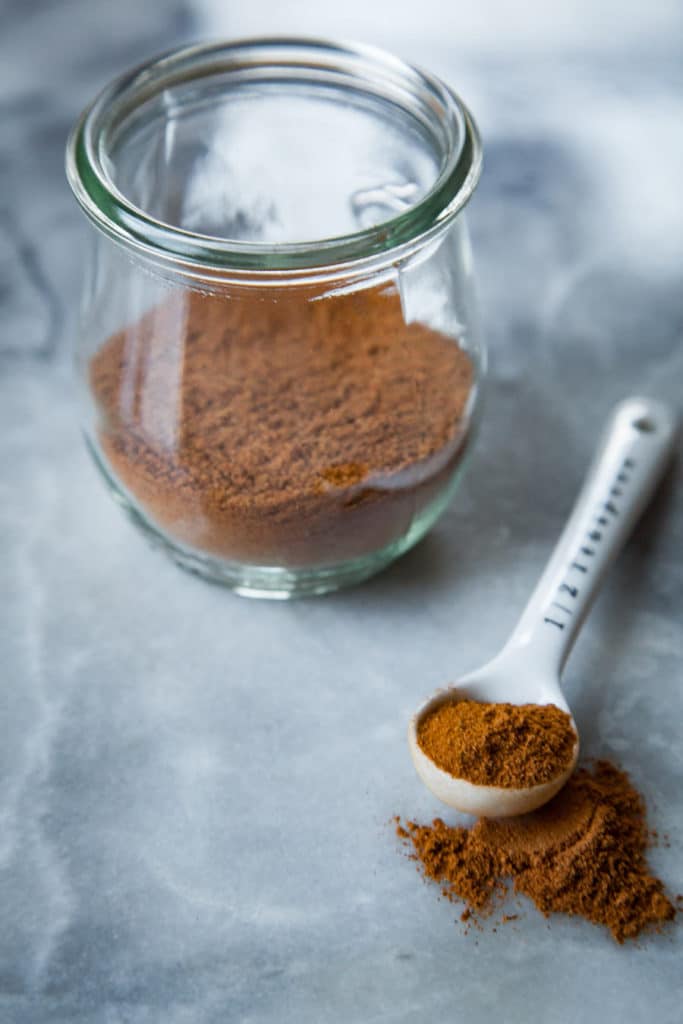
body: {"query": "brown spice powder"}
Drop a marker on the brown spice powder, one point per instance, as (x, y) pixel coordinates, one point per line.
(581, 854)
(507, 745)
(283, 429)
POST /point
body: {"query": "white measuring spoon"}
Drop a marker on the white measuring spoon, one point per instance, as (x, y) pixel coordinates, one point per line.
(628, 464)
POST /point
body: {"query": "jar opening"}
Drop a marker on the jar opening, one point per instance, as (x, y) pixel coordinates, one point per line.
(274, 155)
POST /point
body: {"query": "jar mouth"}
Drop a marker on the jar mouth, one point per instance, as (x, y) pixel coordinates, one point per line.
(349, 69)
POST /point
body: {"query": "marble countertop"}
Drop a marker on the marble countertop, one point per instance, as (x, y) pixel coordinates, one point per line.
(195, 789)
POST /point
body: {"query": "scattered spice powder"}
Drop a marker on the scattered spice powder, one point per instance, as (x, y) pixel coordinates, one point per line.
(507, 745)
(286, 429)
(582, 854)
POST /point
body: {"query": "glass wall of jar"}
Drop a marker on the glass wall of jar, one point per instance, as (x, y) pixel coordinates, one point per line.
(279, 352)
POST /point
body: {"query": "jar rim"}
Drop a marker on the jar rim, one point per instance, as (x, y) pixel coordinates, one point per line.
(113, 213)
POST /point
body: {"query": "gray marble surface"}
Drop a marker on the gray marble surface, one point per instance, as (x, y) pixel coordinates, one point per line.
(194, 788)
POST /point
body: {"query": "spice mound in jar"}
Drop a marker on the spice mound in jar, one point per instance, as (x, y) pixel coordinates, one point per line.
(513, 746)
(285, 429)
(581, 854)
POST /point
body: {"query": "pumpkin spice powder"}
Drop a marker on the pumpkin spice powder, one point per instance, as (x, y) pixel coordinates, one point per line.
(506, 745)
(582, 854)
(286, 430)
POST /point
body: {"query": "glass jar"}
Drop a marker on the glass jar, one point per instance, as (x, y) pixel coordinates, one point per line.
(279, 356)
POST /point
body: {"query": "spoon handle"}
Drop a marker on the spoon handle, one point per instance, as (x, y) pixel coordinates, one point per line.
(628, 464)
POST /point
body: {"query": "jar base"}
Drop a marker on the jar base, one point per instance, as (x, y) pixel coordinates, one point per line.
(276, 582)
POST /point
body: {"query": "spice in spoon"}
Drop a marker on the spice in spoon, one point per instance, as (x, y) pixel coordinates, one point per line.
(513, 746)
(581, 854)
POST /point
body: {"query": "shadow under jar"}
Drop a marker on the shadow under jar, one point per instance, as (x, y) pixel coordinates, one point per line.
(279, 353)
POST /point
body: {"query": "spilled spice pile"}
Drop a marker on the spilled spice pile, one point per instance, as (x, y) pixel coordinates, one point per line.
(582, 854)
(507, 745)
(284, 428)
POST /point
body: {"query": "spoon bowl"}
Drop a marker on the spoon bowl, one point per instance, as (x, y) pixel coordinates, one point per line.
(490, 684)
(628, 464)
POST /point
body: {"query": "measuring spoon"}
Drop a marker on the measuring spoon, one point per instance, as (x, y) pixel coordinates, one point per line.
(629, 462)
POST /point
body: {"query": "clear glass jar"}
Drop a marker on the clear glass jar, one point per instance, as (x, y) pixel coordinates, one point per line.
(279, 353)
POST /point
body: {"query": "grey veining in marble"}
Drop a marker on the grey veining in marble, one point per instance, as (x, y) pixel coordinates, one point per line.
(195, 789)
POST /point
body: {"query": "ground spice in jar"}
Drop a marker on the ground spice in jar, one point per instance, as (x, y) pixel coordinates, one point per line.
(507, 745)
(581, 854)
(287, 429)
